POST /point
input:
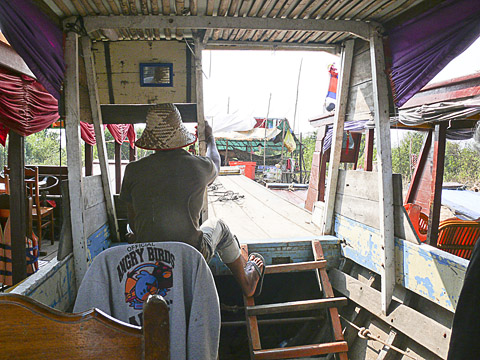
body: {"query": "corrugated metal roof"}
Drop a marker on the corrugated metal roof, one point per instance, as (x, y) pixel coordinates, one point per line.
(355, 11)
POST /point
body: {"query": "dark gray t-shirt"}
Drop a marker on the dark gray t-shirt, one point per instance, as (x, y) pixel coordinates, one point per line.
(166, 190)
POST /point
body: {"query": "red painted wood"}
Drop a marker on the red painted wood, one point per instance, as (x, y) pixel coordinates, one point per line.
(439, 144)
(420, 186)
(368, 159)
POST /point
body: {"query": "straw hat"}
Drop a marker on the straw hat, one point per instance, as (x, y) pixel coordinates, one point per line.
(164, 130)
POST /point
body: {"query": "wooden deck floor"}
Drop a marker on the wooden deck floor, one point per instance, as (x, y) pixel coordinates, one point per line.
(255, 213)
(51, 252)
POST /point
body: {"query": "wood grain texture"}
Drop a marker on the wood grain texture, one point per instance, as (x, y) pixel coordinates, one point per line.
(38, 332)
(259, 213)
(415, 325)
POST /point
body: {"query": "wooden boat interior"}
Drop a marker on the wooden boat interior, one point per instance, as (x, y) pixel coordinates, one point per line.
(348, 276)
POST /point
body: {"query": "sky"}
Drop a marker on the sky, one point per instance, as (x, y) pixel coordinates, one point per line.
(247, 81)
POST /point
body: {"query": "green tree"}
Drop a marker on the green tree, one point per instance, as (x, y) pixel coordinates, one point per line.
(411, 144)
(43, 148)
(308, 143)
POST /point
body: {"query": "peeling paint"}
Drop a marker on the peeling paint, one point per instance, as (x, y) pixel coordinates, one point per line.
(423, 269)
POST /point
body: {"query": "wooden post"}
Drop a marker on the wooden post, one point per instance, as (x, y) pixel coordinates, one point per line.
(337, 138)
(419, 169)
(100, 135)
(16, 161)
(226, 153)
(74, 158)
(118, 167)
(439, 143)
(88, 159)
(132, 153)
(300, 159)
(368, 159)
(384, 158)
(202, 145)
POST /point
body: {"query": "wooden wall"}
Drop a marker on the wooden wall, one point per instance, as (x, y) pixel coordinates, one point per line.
(53, 285)
(125, 70)
(425, 270)
(96, 227)
(357, 198)
(360, 94)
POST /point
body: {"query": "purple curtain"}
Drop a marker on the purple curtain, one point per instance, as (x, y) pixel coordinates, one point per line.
(421, 47)
(37, 40)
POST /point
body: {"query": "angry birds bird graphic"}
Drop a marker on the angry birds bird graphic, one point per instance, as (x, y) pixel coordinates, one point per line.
(147, 279)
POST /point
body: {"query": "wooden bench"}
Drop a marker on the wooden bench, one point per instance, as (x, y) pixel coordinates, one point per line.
(458, 237)
(30, 330)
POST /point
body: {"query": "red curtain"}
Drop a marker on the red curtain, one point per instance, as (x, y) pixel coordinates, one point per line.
(25, 106)
(87, 133)
(119, 132)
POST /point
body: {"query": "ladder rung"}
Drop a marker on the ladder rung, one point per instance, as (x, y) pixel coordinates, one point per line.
(300, 266)
(301, 351)
(303, 305)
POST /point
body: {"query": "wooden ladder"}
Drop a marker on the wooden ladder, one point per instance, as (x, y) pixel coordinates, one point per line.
(338, 346)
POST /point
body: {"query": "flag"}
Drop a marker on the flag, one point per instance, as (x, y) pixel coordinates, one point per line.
(332, 89)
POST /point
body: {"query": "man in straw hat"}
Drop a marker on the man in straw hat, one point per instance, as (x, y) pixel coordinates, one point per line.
(165, 191)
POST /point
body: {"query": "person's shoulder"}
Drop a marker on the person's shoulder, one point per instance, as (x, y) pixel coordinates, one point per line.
(206, 161)
(140, 162)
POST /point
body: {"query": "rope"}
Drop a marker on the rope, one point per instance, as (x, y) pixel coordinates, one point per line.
(227, 195)
(364, 333)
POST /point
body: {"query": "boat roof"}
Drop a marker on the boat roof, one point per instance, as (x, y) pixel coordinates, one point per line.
(228, 22)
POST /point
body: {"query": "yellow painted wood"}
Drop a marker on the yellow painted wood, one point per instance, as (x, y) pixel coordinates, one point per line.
(125, 61)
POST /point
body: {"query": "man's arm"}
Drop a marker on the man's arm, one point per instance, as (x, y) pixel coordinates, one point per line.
(212, 151)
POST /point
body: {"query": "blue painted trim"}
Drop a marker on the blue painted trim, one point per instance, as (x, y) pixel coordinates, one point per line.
(98, 241)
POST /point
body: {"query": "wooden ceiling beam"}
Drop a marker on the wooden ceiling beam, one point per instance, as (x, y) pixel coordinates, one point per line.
(269, 45)
(357, 28)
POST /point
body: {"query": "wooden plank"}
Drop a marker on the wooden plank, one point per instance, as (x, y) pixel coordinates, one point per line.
(419, 169)
(18, 210)
(301, 351)
(337, 137)
(303, 266)
(36, 331)
(74, 158)
(118, 167)
(98, 241)
(65, 246)
(326, 286)
(95, 217)
(156, 330)
(92, 23)
(88, 159)
(199, 97)
(304, 305)
(439, 143)
(427, 271)
(427, 332)
(100, 136)
(269, 210)
(53, 285)
(364, 185)
(137, 113)
(384, 158)
(369, 137)
(93, 191)
(252, 324)
(366, 212)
